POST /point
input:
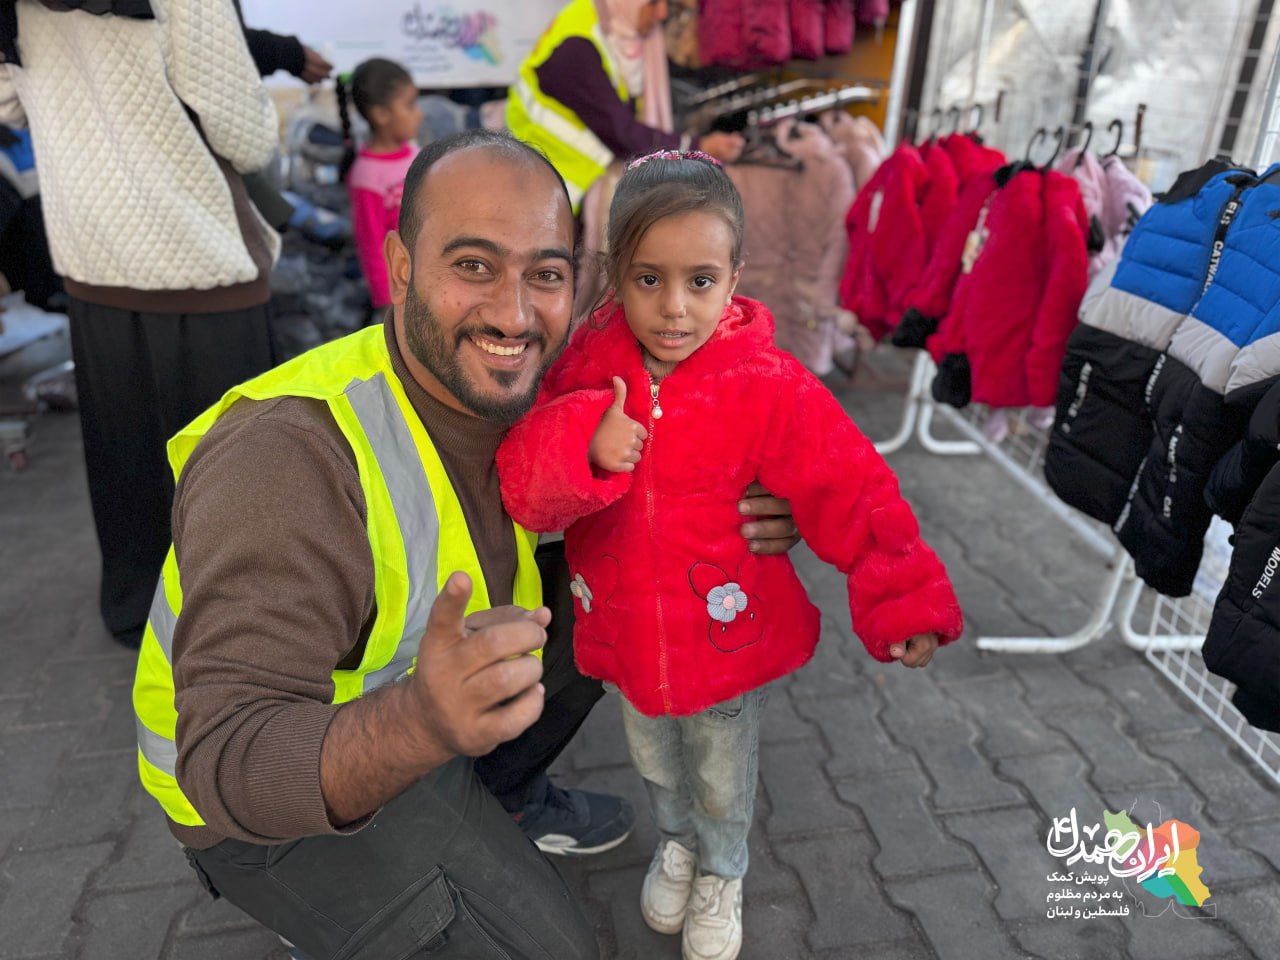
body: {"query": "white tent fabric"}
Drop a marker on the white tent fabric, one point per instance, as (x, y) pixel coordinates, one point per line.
(1180, 57)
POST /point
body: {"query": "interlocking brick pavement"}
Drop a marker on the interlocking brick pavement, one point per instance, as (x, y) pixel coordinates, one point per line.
(901, 814)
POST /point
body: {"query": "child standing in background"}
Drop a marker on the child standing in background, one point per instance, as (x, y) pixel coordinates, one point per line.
(666, 404)
(386, 96)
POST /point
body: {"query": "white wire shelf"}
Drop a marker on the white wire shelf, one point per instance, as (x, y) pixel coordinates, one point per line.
(1172, 630)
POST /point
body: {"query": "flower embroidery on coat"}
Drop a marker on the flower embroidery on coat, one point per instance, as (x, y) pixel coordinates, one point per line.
(578, 587)
(725, 603)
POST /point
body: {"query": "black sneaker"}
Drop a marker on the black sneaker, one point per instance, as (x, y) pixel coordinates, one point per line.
(576, 822)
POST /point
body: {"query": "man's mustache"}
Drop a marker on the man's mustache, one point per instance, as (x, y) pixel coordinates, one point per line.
(493, 333)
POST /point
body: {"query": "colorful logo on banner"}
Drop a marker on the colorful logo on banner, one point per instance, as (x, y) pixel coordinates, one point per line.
(1160, 858)
(474, 33)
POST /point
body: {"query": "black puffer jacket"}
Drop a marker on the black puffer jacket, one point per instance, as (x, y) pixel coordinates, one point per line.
(1102, 427)
(1218, 357)
(1239, 474)
(1243, 642)
(1197, 299)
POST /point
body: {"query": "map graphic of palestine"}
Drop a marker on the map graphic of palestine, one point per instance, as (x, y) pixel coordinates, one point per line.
(1184, 883)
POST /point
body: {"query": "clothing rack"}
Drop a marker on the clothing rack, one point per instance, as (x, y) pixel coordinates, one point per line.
(938, 117)
(724, 89)
(753, 98)
(1021, 455)
(1169, 632)
(1117, 130)
(964, 114)
(854, 93)
(739, 100)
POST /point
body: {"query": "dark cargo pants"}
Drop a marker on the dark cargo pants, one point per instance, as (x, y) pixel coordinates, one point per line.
(442, 870)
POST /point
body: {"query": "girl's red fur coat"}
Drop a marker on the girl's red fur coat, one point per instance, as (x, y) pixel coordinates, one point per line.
(670, 604)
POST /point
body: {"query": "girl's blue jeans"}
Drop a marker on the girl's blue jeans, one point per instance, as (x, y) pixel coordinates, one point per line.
(701, 774)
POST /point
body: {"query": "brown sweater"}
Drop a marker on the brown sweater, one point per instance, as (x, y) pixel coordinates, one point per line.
(277, 578)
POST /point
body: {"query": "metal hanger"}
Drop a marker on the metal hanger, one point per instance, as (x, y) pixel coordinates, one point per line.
(1084, 147)
(729, 104)
(1037, 138)
(1061, 135)
(976, 125)
(1116, 126)
(935, 122)
(724, 89)
(854, 93)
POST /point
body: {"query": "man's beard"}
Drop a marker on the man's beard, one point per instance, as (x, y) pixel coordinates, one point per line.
(428, 344)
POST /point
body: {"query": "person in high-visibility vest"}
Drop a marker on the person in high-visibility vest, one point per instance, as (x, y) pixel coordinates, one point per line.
(339, 700)
(578, 92)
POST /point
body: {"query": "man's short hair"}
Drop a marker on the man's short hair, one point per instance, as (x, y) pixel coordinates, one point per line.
(411, 217)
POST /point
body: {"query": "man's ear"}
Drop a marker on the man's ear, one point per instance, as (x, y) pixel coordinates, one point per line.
(399, 265)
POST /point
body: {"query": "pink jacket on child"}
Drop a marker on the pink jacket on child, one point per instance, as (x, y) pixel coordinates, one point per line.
(376, 183)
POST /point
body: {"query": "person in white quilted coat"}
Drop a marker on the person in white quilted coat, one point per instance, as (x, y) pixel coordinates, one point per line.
(142, 126)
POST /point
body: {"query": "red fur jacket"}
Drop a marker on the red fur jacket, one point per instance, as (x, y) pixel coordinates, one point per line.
(670, 604)
(974, 165)
(1003, 340)
(888, 241)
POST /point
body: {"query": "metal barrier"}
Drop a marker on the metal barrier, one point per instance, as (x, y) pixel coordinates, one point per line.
(1184, 668)
(916, 413)
(1021, 454)
(1172, 630)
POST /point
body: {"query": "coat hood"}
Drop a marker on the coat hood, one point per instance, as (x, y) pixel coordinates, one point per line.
(971, 158)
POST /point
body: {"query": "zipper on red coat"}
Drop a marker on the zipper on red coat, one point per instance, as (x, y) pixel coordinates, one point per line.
(646, 464)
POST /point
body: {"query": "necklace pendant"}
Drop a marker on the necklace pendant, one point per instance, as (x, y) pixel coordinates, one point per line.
(657, 408)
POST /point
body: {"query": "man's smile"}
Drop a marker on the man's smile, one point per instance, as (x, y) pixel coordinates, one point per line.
(496, 349)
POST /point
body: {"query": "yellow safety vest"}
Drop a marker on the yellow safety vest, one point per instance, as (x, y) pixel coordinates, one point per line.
(549, 125)
(417, 533)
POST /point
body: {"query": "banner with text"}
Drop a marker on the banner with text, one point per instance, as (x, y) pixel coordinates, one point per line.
(458, 44)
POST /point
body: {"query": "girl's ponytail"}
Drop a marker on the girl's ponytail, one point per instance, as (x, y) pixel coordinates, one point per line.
(344, 114)
(374, 83)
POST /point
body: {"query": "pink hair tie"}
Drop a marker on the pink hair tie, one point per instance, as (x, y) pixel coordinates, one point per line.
(673, 155)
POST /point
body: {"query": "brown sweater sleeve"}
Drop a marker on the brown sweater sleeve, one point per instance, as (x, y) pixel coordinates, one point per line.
(277, 581)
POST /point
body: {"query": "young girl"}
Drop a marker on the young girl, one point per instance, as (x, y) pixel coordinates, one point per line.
(385, 95)
(663, 408)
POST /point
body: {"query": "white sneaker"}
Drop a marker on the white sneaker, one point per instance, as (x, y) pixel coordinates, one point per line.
(665, 893)
(713, 925)
(294, 952)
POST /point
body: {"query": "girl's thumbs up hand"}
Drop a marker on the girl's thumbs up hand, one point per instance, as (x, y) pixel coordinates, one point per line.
(618, 439)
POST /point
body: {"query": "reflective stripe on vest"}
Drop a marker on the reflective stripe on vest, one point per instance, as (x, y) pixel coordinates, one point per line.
(404, 521)
(573, 149)
(163, 620)
(578, 177)
(415, 509)
(159, 751)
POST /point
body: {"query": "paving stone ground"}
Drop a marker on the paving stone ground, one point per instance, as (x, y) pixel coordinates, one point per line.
(902, 815)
